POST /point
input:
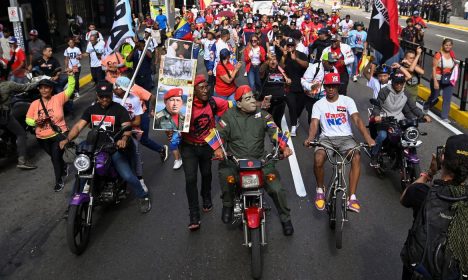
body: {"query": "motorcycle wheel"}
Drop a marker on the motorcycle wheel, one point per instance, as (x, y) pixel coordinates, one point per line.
(256, 253)
(340, 207)
(412, 172)
(78, 231)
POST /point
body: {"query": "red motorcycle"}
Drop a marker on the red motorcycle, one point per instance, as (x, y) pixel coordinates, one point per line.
(248, 204)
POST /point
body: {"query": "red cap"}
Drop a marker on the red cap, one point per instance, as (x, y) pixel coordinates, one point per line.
(199, 79)
(332, 79)
(240, 91)
(175, 92)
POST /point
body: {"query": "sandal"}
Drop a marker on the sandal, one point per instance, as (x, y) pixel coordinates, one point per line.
(194, 222)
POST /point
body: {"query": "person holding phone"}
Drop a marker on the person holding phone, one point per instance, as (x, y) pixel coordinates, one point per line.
(254, 56)
(226, 74)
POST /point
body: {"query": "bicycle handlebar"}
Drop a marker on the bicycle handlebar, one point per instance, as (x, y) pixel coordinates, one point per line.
(346, 159)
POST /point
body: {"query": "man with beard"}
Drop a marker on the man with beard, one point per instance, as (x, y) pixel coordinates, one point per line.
(169, 117)
(195, 151)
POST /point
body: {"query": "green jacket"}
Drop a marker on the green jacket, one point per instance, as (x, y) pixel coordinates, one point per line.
(244, 134)
(8, 88)
(163, 120)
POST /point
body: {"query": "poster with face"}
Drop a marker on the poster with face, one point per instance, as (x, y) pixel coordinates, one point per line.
(177, 71)
(179, 49)
(173, 108)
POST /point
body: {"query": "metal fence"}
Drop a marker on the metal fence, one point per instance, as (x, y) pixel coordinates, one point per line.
(461, 87)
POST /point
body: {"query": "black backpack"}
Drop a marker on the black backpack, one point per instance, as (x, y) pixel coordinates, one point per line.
(426, 251)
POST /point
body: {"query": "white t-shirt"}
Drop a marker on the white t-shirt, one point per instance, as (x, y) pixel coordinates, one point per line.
(132, 104)
(346, 26)
(220, 44)
(99, 48)
(207, 44)
(375, 85)
(334, 117)
(72, 54)
(255, 56)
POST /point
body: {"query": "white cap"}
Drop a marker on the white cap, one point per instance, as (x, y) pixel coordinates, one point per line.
(148, 30)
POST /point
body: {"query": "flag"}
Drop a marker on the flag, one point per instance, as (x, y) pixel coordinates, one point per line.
(383, 28)
(213, 139)
(283, 138)
(183, 30)
(122, 27)
(271, 124)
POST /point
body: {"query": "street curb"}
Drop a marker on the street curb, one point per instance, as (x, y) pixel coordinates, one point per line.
(453, 26)
(85, 80)
(461, 117)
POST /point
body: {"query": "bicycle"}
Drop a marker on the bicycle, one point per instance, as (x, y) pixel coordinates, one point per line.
(337, 192)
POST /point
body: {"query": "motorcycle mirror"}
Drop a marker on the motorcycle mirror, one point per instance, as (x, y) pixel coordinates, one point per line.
(374, 102)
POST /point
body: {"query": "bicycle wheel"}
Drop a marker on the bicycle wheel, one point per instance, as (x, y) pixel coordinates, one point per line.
(331, 206)
(340, 209)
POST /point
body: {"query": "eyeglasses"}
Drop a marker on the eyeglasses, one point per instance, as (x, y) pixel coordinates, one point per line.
(275, 26)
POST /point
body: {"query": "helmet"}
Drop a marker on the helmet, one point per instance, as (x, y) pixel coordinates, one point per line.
(397, 77)
(383, 69)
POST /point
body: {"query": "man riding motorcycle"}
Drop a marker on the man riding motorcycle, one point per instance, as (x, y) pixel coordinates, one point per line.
(243, 130)
(394, 103)
(115, 117)
(7, 120)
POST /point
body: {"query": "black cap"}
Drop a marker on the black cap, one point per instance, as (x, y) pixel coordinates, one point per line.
(323, 31)
(290, 41)
(104, 88)
(456, 147)
(46, 82)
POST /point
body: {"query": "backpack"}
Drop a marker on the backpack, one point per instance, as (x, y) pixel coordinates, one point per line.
(426, 251)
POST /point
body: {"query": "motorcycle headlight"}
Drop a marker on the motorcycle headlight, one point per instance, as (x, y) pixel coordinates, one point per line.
(411, 134)
(250, 181)
(82, 163)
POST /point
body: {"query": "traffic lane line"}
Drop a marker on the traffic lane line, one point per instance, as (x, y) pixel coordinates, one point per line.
(294, 165)
(442, 36)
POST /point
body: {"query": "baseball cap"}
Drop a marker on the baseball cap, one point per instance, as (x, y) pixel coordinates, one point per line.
(274, 24)
(249, 20)
(279, 33)
(456, 147)
(174, 92)
(46, 82)
(290, 41)
(122, 82)
(148, 30)
(12, 40)
(33, 32)
(199, 79)
(416, 13)
(104, 89)
(331, 79)
(240, 91)
(335, 37)
(323, 31)
(398, 77)
(307, 16)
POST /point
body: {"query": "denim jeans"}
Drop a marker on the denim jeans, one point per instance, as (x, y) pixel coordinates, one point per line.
(196, 51)
(357, 57)
(136, 158)
(97, 74)
(122, 166)
(254, 78)
(195, 157)
(145, 140)
(381, 136)
(230, 97)
(447, 91)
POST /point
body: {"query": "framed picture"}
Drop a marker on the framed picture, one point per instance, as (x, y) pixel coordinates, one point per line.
(179, 48)
(173, 108)
(177, 71)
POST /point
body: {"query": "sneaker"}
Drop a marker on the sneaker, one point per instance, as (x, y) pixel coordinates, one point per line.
(375, 161)
(65, 170)
(143, 185)
(293, 130)
(145, 205)
(447, 121)
(177, 164)
(245, 74)
(23, 164)
(164, 153)
(355, 78)
(77, 94)
(353, 205)
(320, 200)
(59, 186)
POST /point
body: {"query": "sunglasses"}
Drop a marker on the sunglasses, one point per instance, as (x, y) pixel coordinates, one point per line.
(275, 26)
(254, 41)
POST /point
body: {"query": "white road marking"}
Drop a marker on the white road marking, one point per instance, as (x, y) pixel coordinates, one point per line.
(295, 170)
(367, 17)
(439, 120)
(455, 39)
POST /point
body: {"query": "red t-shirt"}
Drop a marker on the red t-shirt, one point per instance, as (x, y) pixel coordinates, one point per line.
(20, 57)
(203, 120)
(209, 18)
(221, 88)
(339, 67)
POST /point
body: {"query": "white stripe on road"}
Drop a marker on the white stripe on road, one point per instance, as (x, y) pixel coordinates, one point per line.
(439, 120)
(455, 39)
(368, 17)
(296, 172)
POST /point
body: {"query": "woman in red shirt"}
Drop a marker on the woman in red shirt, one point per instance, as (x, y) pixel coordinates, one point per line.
(254, 56)
(225, 76)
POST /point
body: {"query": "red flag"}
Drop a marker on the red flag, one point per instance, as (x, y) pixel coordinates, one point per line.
(383, 28)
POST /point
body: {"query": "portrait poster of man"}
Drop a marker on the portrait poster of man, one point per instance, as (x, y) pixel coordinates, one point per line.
(179, 48)
(177, 71)
(173, 108)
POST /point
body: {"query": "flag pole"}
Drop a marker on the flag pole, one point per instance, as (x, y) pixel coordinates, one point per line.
(220, 142)
(132, 81)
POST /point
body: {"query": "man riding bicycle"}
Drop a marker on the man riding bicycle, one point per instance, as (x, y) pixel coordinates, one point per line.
(333, 115)
(394, 103)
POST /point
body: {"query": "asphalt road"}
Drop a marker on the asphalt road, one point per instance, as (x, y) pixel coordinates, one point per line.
(128, 245)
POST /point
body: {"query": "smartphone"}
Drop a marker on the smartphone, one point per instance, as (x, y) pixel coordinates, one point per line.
(439, 153)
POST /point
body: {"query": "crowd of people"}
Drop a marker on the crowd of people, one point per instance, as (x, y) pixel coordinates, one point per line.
(298, 57)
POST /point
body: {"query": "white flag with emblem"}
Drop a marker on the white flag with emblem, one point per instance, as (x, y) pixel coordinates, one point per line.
(122, 27)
